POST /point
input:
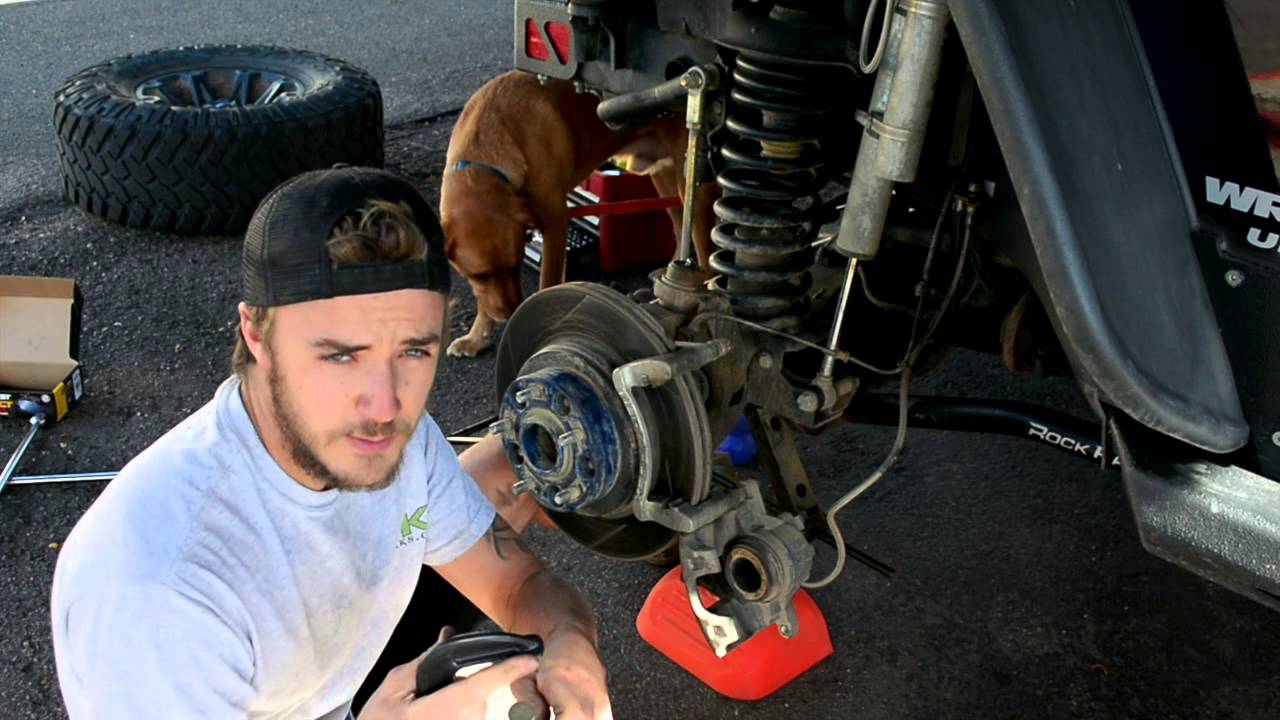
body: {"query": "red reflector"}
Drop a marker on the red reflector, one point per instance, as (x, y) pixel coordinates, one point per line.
(534, 47)
(559, 34)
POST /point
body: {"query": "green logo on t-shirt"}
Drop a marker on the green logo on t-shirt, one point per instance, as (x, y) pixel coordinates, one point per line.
(413, 522)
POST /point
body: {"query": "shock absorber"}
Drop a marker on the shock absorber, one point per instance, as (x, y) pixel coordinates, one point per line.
(895, 124)
(769, 180)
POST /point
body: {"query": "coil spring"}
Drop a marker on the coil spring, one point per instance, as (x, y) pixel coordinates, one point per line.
(769, 182)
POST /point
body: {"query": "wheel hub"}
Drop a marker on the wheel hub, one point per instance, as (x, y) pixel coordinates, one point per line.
(569, 436)
(567, 444)
(218, 88)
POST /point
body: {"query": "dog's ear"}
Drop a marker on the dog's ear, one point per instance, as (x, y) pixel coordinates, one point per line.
(448, 227)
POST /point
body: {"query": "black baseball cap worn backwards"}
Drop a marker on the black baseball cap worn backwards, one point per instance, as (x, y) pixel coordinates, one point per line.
(285, 257)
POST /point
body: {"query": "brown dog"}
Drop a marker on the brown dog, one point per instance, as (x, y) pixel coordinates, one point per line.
(517, 149)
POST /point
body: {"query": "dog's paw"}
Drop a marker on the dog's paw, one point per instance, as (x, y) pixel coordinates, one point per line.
(467, 346)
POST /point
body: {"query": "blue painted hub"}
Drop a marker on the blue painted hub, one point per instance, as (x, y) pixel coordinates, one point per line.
(561, 439)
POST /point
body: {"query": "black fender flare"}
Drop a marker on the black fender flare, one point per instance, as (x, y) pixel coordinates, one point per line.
(1108, 211)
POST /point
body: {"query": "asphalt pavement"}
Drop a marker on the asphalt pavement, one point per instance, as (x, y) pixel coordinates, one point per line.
(1021, 587)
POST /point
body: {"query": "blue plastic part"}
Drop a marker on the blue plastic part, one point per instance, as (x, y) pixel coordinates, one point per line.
(740, 445)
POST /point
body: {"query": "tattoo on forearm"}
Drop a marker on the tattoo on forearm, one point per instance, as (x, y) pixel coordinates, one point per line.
(506, 542)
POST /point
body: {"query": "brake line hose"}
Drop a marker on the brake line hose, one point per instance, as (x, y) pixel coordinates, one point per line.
(913, 351)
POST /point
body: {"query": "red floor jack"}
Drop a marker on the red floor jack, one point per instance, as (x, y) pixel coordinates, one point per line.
(754, 669)
(618, 224)
(628, 217)
(758, 641)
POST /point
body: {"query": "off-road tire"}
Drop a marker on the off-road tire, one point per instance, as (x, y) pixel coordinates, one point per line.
(203, 170)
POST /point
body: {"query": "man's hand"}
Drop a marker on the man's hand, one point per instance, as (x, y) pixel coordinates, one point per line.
(572, 679)
(466, 699)
(518, 592)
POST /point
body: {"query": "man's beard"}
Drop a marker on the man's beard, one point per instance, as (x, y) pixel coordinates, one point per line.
(300, 450)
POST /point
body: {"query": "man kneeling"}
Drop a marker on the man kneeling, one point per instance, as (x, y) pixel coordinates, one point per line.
(254, 560)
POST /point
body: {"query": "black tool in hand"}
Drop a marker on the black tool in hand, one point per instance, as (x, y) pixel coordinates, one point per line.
(442, 662)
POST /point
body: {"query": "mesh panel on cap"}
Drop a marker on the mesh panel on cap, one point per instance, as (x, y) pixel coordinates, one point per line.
(285, 256)
(255, 263)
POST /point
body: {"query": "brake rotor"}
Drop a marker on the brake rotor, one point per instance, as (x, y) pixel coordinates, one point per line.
(565, 429)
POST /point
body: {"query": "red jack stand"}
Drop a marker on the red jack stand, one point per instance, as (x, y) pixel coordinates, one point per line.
(754, 669)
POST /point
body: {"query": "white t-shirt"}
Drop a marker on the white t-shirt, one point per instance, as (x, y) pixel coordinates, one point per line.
(206, 583)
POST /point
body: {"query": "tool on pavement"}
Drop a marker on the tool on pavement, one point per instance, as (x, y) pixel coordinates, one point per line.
(36, 413)
(109, 475)
(63, 478)
(464, 440)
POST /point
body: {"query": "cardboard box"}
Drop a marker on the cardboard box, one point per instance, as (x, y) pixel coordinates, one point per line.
(39, 345)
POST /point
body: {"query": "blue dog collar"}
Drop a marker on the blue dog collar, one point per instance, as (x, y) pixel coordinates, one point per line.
(464, 164)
